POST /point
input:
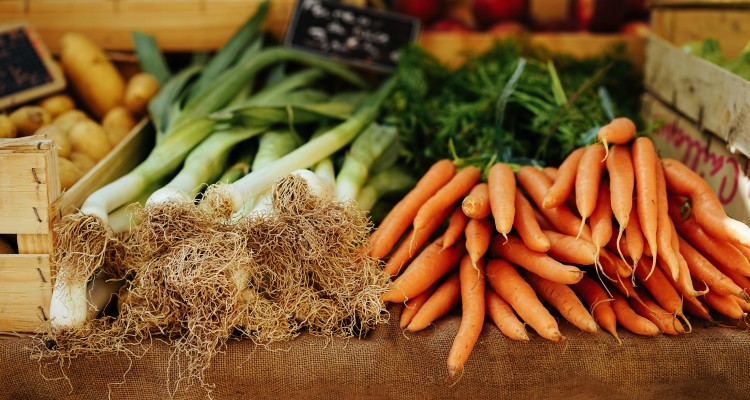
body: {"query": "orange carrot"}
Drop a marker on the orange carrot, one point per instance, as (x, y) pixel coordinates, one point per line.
(644, 164)
(570, 249)
(472, 314)
(412, 306)
(564, 299)
(708, 211)
(476, 204)
(724, 305)
(456, 225)
(588, 177)
(562, 187)
(599, 302)
(536, 184)
(456, 188)
(401, 216)
(697, 309)
(412, 244)
(629, 319)
(664, 225)
(527, 225)
(515, 251)
(613, 266)
(508, 283)
(503, 316)
(601, 218)
(551, 172)
(659, 287)
(427, 268)
(619, 246)
(634, 237)
(446, 296)
(703, 270)
(620, 131)
(478, 234)
(621, 184)
(666, 322)
(501, 183)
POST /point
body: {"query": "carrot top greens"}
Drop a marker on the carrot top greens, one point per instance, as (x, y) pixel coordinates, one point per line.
(515, 103)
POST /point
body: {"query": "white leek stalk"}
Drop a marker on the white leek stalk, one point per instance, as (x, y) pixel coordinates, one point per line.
(366, 148)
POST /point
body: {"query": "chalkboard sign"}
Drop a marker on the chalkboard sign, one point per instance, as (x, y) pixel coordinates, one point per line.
(27, 70)
(361, 36)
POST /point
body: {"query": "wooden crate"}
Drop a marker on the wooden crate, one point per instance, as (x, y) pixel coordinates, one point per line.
(707, 95)
(31, 202)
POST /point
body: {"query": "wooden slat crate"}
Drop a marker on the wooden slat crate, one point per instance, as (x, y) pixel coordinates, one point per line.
(30, 204)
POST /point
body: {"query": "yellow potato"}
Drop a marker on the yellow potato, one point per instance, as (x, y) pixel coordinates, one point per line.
(57, 104)
(89, 138)
(82, 161)
(28, 119)
(118, 123)
(59, 138)
(69, 118)
(6, 247)
(93, 76)
(140, 89)
(68, 172)
(7, 127)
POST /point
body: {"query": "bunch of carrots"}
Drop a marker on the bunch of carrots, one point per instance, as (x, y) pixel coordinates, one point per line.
(616, 235)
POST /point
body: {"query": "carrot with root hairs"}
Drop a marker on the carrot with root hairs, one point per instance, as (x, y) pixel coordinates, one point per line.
(664, 226)
(691, 303)
(601, 218)
(644, 164)
(451, 192)
(515, 251)
(412, 244)
(565, 301)
(503, 316)
(619, 131)
(594, 295)
(724, 305)
(501, 184)
(621, 184)
(527, 225)
(456, 225)
(634, 240)
(551, 172)
(588, 177)
(562, 186)
(664, 320)
(703, 270)
(412, 306)
(402, 215)
(613, 266)
(570, 249)
(472, 314)
(510, 285)
(629, 319)
(536, 184)
(445, 297)
(476, 204)
(684, 277)
(427, 268)
(659, 286)
(478, 233)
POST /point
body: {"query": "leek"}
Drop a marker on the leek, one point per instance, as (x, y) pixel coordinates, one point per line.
(366, 148)
(390, 181)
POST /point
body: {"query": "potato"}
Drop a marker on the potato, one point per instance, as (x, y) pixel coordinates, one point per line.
(59, 138)
(88, 137)
(82, 161)
(94, 78)
(69, 118)
(139, 90)
(118, 123)
(68, 172)
(57, 104)
(28, 119)
(6, 247)
(7, 127)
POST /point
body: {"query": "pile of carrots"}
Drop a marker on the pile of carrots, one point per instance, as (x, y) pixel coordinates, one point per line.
(614, 236)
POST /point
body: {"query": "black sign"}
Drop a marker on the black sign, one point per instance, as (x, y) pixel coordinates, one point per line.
(361, 36)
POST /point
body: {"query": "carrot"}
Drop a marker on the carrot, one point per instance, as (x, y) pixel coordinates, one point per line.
(508, 283)
(472, 314)
(740, 280)
(564, 299)
(478, 234)
(446, 296)
(684, 280)
(408, 248)
(621, 184)
(551, 172)
(613, 266)
(697, 309)
(634, 237)
(503, 316)
(476, 204)
(427, 268)
(664, 320)
(501, 183)
(527, 225)
(664, 225)
(724, 305)
(562, 187)
(401, 216)
(457, 187)
(601, 218)
(703, 270)
(412, 306)
(536, 184)
(515, 251)
(599, 302)
(660, 288)
(456, 225)
(708, 211)
(620, 131)
(644, 164)
(745, 306)
(570, 249)
(588, 177)
(543, 222)
(629, 319)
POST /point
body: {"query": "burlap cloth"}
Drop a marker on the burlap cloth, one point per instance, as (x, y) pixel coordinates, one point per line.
(709, 363)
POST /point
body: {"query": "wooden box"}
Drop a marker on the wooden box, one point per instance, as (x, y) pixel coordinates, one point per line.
(30, 204)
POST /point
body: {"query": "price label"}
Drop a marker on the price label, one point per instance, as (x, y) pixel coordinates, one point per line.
(364, 37)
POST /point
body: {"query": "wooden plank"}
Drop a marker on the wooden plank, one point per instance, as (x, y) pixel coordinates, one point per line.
(25, 199)
(25, 292)
(704, 93)
(730, 26)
